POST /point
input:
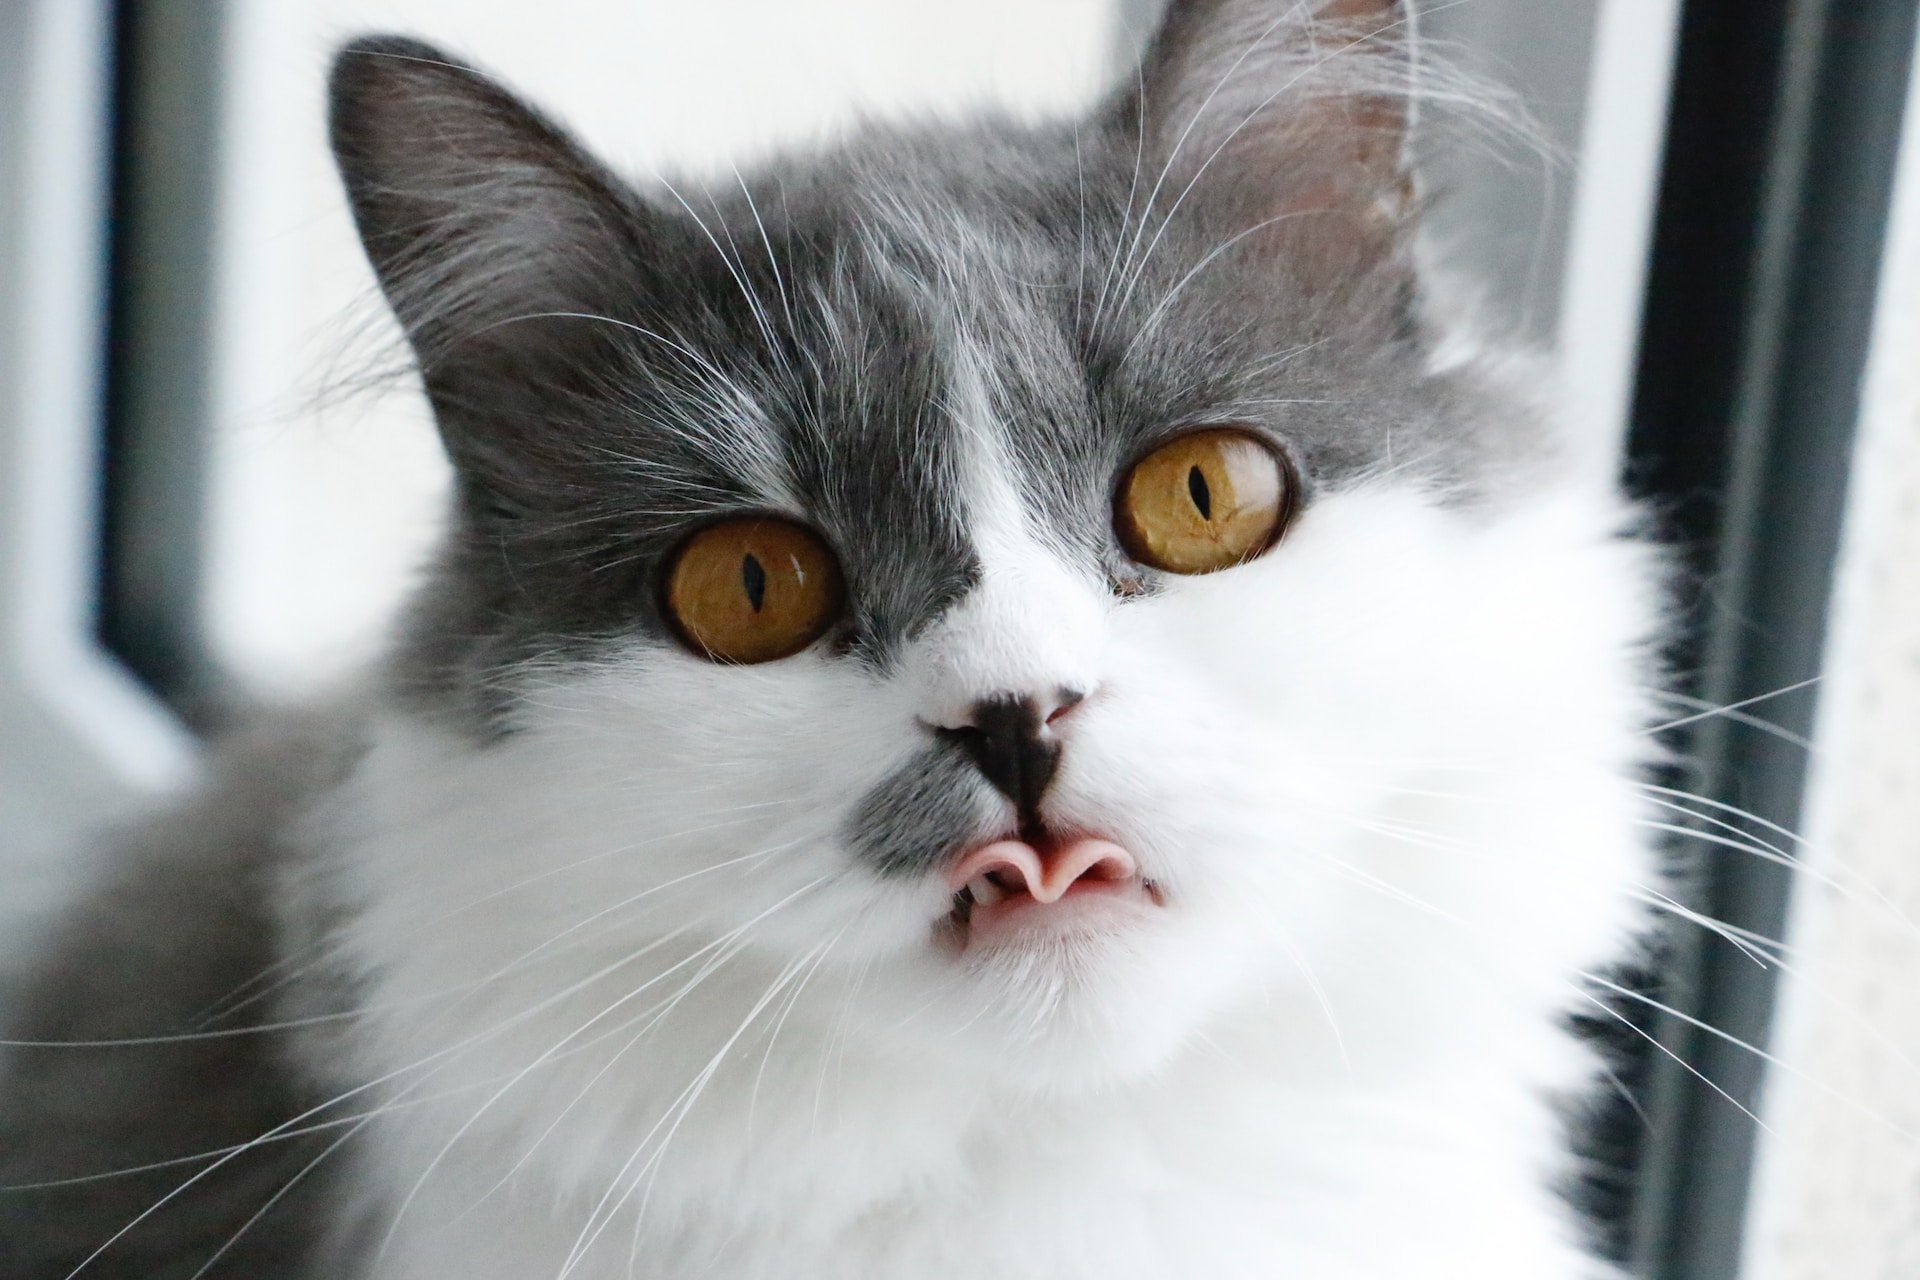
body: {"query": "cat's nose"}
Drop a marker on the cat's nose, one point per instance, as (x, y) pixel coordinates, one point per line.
(1012, 738)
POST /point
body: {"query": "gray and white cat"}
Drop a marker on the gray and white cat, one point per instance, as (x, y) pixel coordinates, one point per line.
(997, 702)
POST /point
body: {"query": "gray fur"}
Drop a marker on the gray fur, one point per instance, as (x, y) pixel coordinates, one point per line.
(180, 944)
(927, 811)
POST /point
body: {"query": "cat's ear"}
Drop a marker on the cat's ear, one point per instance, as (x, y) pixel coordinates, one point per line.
(489, 228)
(1290, 117)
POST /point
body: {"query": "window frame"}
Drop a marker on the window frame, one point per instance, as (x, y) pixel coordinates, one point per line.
(1759, 308)
(83, 740)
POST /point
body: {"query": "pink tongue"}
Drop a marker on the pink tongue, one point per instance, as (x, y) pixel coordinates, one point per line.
(1045, 875)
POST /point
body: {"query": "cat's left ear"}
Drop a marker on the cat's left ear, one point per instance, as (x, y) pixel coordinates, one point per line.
(496, 239)
(1287, 120)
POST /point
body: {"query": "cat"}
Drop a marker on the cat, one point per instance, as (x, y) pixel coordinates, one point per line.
(998, 701)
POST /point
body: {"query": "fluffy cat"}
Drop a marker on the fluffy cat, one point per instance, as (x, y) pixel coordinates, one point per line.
(997, 702)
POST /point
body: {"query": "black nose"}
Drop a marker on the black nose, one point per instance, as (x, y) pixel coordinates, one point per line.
(1012, 744)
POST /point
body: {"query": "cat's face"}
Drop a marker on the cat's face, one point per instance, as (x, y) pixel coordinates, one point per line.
(1033, 587)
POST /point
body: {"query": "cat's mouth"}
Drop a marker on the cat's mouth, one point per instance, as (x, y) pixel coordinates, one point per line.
(1034, 887)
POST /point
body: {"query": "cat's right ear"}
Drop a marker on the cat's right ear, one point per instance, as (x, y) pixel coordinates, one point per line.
(486, 224)
(1287, 120)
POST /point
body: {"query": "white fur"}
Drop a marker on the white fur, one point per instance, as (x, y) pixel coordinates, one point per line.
(1031, 625)
(636, 1009)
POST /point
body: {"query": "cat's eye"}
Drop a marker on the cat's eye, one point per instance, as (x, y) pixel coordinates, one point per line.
(753, 589)
(1207, 500)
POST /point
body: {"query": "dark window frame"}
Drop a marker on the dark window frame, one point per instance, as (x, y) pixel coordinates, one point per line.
(163, 188)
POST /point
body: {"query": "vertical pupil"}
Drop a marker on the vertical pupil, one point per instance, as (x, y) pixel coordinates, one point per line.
(754, 578)
(1197, 489)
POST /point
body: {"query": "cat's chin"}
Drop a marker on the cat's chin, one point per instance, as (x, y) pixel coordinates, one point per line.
(1086, 991)
(1080, 1036)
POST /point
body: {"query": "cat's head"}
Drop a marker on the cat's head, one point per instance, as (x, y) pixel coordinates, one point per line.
(1036, 584)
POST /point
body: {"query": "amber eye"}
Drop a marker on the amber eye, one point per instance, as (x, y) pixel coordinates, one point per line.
(1208, 500)
(753, 589)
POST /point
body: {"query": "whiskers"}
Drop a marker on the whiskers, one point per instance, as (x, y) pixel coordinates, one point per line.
(706, 959)
(596, 984)
(1658, 1000)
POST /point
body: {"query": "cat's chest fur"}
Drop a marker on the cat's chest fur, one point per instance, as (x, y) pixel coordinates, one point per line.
(1109, 1195)
(1231, 1162)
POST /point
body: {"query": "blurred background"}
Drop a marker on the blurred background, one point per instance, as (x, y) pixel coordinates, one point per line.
(213, 493)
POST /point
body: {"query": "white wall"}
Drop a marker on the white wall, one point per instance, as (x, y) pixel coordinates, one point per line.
(1838, 1192)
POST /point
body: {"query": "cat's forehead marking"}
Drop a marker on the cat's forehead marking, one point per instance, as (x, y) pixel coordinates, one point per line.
(1029, 624)
(998, 520)
(1035, 458)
